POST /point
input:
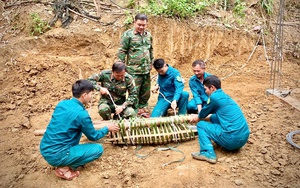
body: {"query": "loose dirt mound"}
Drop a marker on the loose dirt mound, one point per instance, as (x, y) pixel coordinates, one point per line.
(37, 72)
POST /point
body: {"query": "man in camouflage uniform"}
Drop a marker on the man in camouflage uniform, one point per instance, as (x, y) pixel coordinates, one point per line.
(114, 84)
(137, 53)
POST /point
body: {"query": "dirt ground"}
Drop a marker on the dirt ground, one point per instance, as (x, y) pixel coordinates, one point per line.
(37, 72)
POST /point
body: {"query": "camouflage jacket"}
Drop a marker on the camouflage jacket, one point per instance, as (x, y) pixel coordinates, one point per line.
(136, 51)
(117, 89)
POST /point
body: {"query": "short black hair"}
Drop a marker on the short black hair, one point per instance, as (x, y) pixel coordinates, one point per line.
(140, 17)
(118, 66)
(199, 62)
(158, 63)
(212, 80)
(80, 87)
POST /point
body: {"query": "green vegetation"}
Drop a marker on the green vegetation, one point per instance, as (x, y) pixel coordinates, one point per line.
(239, 8)
(38, 26)
(129, 19)
(177, 8)
(131, 4)
(184, 9)
(267, 5)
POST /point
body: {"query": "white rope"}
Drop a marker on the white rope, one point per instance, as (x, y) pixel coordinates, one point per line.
(168, 102)
(113, 103)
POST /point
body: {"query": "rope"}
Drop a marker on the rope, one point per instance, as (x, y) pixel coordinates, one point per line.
(173, 148)
(114, 104)
(289, 138)
(167, 101)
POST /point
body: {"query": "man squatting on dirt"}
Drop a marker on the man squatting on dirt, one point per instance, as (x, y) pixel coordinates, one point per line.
(115, 83)
(196, 85)
(227, 127)
(60, 143)
(170, 86)
(137, 53)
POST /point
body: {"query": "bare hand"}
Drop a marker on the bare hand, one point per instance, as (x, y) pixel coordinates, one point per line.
(119, 109)
(155, 89)
(104, 91)
(194, 118)
(127, 124)
(174, 104)
(113, 127)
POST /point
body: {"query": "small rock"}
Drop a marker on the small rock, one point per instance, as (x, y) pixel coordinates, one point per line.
(212, 181)
(275, 172)
(263, 151)
(14, 130)
(12, 106)
(260, 127)
(105, 176)
(250, 141)
(276, 106)
(222, 159)
(97, 30)
(260, 161)
(27, 68)
(268, 159)
(228, 160)
(238, 182)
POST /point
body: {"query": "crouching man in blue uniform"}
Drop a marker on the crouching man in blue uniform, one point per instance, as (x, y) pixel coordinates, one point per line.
(60, 144)
(227, 127)
(170, 86)
(196, 85)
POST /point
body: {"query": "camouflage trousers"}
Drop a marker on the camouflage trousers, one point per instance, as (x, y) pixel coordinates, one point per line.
(143, 86)
(105, 111)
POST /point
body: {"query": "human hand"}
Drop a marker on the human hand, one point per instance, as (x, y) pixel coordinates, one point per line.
(119, 109)
(104, 91)
(113, 127)
(127, 124)
(155, 89)
(174, 104)
(194, 118)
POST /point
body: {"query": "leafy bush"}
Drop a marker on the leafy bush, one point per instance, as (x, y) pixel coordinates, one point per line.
(38, 26)
(129, 19)
(267, 5)
(184, 9)
(239, 8)
(176, 8)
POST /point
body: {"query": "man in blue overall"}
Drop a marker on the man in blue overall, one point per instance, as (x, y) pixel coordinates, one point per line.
(227, 127)
(60, 144)
(196, 85)
(170, 86)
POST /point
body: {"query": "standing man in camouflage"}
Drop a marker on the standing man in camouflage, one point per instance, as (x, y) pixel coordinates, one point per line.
(114, 85)
(137, 53)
